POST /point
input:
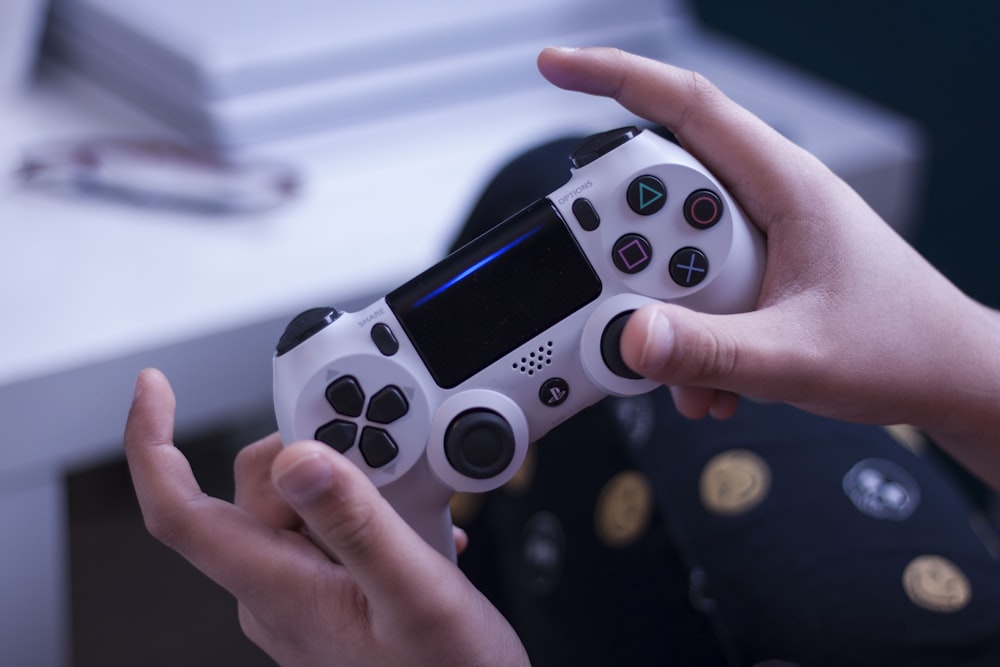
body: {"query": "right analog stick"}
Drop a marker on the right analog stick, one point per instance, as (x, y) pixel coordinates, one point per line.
(479, 443)
(611, 347)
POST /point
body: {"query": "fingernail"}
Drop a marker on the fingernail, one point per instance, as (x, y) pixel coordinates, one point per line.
(566, 49)
(306, 479)
(141, 380)
(658, 345)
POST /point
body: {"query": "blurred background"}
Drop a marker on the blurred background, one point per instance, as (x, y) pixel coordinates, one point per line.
(928, 62)
(913, 81)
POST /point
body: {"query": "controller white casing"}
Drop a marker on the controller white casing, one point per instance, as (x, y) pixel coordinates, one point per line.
(420, 480)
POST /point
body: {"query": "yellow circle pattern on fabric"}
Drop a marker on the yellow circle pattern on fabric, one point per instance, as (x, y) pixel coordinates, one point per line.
(935, 583)
(624, 509)
(734, 482)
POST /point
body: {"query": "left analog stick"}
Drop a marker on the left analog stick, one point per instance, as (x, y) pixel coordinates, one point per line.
(479, 443)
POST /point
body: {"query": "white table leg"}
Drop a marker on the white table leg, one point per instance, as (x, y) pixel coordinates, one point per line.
(34, 586)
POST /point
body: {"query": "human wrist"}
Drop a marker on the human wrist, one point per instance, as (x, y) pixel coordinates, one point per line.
(966, 422)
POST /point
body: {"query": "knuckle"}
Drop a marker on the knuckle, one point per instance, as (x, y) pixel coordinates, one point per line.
(263, 632)
(716, 358)
(619, 62)
(165, 527)
(171, 523)
(701, 86)
(438, 611)
(246, 472)
(244, 462)
(255, 459)
(249, 625)
(702, 95)
(353, 528)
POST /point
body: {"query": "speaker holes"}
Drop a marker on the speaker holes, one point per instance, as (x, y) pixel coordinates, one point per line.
(535, 359)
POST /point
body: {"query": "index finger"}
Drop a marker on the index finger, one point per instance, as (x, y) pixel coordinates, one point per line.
(255, 492)
(229, 545)
(750, 158)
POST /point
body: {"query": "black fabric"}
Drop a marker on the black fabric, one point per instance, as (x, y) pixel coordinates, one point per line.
(596, 605)
(818, 571)
(524, 180)
(807, 576)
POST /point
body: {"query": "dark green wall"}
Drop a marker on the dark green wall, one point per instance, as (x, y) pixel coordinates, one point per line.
(938, 63)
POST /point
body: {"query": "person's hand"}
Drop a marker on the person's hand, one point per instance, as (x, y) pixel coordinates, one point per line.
(851, 322)
(381, 597)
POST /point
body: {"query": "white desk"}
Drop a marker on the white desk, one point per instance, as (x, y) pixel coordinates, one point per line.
(92, 291)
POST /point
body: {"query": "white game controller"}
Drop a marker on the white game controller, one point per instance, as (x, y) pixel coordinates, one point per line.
(441, 385)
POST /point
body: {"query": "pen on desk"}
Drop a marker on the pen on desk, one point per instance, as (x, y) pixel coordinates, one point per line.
(159, 174)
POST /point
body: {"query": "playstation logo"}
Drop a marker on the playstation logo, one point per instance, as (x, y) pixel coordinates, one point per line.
(554, 392)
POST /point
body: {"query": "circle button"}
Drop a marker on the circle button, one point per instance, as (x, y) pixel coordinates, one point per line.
(702, 209)
(646, 195)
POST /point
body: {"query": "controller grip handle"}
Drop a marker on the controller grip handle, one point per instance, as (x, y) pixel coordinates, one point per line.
(423, 502)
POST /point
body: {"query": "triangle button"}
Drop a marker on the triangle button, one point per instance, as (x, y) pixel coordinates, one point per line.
(647, 195)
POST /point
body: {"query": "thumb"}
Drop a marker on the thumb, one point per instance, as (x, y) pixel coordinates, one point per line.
(344, 511)
(680, 347)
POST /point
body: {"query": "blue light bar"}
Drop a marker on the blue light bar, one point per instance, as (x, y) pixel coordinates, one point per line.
(478, 265)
